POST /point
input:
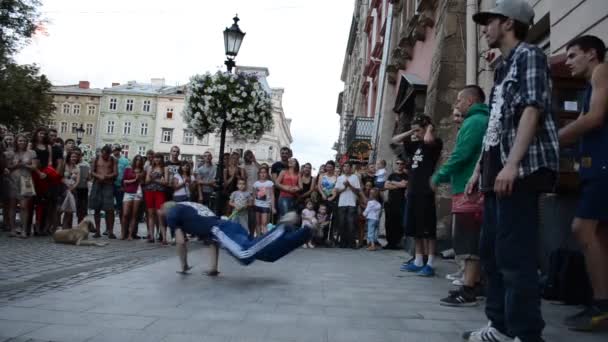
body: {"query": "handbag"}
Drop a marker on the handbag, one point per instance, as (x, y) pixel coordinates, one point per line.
(26, 186)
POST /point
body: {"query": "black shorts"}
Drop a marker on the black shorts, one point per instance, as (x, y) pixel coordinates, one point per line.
(421, 220)
(262, 210)
(467, 228)
(591, 205)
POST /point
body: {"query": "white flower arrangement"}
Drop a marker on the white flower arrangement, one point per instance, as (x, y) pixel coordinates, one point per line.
(237, 98)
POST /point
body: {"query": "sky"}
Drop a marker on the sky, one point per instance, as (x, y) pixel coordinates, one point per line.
(301, 42)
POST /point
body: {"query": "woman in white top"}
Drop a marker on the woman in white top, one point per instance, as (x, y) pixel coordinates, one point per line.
(182, 181)
(71, 178)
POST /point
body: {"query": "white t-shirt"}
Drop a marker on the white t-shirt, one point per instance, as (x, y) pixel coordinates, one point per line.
(373, 209)
(263, 193)
(381, 175)
(347, 197)
(184, 191)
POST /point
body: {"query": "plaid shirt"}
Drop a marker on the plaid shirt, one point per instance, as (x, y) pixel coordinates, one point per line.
(521, 80)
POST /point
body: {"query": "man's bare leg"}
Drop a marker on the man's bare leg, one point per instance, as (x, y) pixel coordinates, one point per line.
(110, 223)
(182, 251)
(97, 217)
(472, 272)
(214, 257)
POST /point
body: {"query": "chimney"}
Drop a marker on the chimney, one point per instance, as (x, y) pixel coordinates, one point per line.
(159, 82)
(83, 84)
(114, 84)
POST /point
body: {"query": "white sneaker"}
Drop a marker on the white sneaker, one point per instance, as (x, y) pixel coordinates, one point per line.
(458, 282)
(454, 276)
(486, 334)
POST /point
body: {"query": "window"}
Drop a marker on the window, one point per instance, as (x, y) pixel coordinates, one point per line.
(113, 103)
(143, 129)
(74, 127)
(64, 127)
(187, 157)
(51, 124)
(169, 113)
(146, 107)
(188, 137)
(91, 110)
(141, 150)
(126, 128)
(129, 106)
(66, 109)
(167, 136)
(125, 150)
(89, 129)
(203, 141)
(110, 127)
(76, 109)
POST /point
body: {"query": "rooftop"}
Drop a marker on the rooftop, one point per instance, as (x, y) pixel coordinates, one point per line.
(75, 89)
(134, 87)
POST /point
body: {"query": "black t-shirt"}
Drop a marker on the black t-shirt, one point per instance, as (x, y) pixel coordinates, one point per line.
(173, 167)
(424, 159)
(491, 164)
(277, 168)
(397, 195)
(57, 153)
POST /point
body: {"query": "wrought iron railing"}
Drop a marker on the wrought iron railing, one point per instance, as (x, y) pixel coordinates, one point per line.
(361, 128)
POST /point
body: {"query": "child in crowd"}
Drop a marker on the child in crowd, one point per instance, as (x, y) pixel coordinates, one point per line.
(309, 220)
(323, 221)
(263, 189)
(240, 200)
(372, 214)
(380, 174)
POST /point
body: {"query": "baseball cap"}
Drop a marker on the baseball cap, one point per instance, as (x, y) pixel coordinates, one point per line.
(519, 10)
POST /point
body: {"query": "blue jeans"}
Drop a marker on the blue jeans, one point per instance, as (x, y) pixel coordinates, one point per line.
(372, 230)
(286, 204)
(509, 255)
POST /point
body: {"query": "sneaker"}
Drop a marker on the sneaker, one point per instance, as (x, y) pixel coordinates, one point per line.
(454, 276)
(486, 334)
(290, 218)
(427, 271)
(411, 268)
(587, 320)
(458, 282)
(460, 299)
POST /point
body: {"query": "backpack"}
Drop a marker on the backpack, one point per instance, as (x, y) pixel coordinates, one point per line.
(567, 280)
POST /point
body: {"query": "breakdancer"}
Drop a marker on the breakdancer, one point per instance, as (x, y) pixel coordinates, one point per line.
(196, 219)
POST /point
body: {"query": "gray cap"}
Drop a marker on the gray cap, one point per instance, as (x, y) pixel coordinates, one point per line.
(519, 10)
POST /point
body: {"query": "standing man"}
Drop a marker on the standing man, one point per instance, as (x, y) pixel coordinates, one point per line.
(205, 177)
(519, 161)
(102, 192)
(585, 58)
(347, 187)
(122, 163)
(281, 165)
(457, 170)
(396, 185)
(421, 220)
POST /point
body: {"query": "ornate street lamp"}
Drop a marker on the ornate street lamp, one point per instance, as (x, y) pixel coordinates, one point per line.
(233, 37)
(79, 134)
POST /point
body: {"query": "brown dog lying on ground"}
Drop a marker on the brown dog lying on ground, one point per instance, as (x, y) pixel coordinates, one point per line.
(77, 236)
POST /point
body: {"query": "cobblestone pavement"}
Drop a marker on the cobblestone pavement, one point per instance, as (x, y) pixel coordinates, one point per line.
(36, 265)
(320, 295)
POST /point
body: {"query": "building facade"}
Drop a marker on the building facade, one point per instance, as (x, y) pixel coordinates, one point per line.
(128, 116)
(76, 106)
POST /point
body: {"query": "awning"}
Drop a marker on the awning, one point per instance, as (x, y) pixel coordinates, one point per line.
(409, 84)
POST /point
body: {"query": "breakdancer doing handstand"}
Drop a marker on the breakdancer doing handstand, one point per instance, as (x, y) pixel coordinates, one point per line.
(196, 219)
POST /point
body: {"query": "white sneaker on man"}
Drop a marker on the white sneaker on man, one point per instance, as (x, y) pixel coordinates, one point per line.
(486, 334)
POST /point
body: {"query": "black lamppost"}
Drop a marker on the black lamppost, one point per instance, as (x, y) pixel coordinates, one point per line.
(233, 37)
(79, 134)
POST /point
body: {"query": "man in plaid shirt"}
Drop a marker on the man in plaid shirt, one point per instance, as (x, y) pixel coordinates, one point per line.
(519, 161)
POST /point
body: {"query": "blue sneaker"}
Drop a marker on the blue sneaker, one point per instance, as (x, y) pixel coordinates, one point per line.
(411, 268)
(426, 271)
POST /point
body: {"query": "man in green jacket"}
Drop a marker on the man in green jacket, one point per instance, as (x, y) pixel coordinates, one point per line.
(466, 211)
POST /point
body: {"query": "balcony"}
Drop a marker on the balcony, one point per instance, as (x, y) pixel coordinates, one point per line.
(360, 130)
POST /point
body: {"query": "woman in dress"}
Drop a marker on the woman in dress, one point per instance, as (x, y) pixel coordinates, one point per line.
(326, 186)
(306, 186)
(21, 185)
(7, 146)
(41, 145)
(71, 178)
(156, 183)
(232, 173)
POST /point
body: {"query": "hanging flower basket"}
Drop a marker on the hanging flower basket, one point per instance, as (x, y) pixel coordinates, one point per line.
(239, 99)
